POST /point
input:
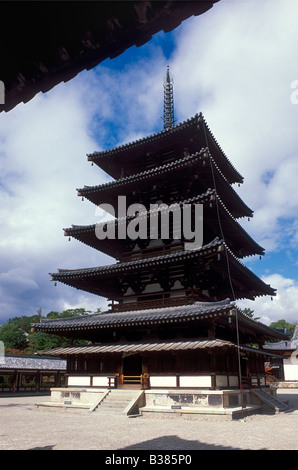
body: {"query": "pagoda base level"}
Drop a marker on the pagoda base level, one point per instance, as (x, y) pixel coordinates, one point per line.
(190, 404)
(197, 413)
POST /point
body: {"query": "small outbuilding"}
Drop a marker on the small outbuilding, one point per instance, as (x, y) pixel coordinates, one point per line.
(285, 369)
(31, 373)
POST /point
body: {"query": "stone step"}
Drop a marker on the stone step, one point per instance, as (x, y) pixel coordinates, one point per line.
(109, 407)
(116, 401)
(121, 404)
(271, 401)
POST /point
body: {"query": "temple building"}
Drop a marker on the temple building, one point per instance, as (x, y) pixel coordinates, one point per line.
(30, 374)
(173, 320)
(285, 368)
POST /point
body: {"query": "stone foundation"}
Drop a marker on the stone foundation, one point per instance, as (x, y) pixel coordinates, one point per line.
(170, 402)
(203, 402)
(285, 384)
(74, 398)
(196, 398)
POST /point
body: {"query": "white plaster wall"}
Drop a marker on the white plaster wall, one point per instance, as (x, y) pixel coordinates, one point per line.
(83, 381)
(100, 381)
(162, 381)
(291, 371)
(195, 381)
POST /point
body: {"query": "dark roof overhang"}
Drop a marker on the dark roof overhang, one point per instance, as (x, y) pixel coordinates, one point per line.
(132, 155)
(224, 312)
(46, 43)
(209, 261)
(153, 316)
(199, 167)
(236, 237)
(153, 347)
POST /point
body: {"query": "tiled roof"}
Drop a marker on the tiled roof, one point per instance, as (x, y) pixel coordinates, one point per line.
(97, 156)
(32, 363)
(213, 144)
(286, 345)
(137, 347)
(158, 315)
(147, 174)
(113, 247)
(212, 247)
(153, 346)
(251, 285)
(100, 193)
(104, 158)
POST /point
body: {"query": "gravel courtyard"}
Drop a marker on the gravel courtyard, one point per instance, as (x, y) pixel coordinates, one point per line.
(24, 427)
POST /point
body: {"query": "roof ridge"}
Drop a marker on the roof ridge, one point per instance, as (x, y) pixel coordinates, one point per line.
(212, 305)
(133, 143)
(208, 193)
(201, 116)
(295, 334)
(217, 242)
(146, 173)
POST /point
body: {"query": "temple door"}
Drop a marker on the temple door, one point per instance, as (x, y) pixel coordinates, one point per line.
(132, 369)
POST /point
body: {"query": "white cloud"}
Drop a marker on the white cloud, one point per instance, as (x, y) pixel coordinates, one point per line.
(18, 278)
(236, 65)
(42, 162)
(283, 306)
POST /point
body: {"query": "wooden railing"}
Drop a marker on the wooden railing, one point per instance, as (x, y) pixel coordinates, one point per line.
(132, 379)
(152, 252)
(113, 381)
(153, 300)
(142, 380)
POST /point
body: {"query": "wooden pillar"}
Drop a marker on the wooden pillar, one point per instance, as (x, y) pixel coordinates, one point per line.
(38, 376)
(14, 385)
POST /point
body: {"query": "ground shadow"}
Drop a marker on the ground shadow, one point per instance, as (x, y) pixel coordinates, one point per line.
(10, 405)
(42, 448)
(176, 443)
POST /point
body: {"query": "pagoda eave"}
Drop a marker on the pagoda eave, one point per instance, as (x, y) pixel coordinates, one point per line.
(224, 312)
(133, 155)
(209, 265)
(198, 172)
(237, 238)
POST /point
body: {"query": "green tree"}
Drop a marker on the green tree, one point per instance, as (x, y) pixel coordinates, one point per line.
(71, 312)
(250, 313)
(284, 326)
(39, 341)
(12, 336)
(17, 333)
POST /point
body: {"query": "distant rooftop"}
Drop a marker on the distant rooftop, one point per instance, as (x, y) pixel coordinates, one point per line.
(32, 363)
(286, 345)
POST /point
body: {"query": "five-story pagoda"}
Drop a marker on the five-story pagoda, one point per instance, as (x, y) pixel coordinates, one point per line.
(178, 248)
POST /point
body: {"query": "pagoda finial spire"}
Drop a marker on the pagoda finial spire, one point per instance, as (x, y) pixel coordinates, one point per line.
(168, 106)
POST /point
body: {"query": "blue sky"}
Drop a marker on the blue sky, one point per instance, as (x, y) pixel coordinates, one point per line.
(235, 64)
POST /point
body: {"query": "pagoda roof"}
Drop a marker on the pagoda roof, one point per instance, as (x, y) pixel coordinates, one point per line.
(131, 155)
(246, 283)
(236, 237)
(199, 163)
(158, 316)
(154, 346)
(137, 317)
